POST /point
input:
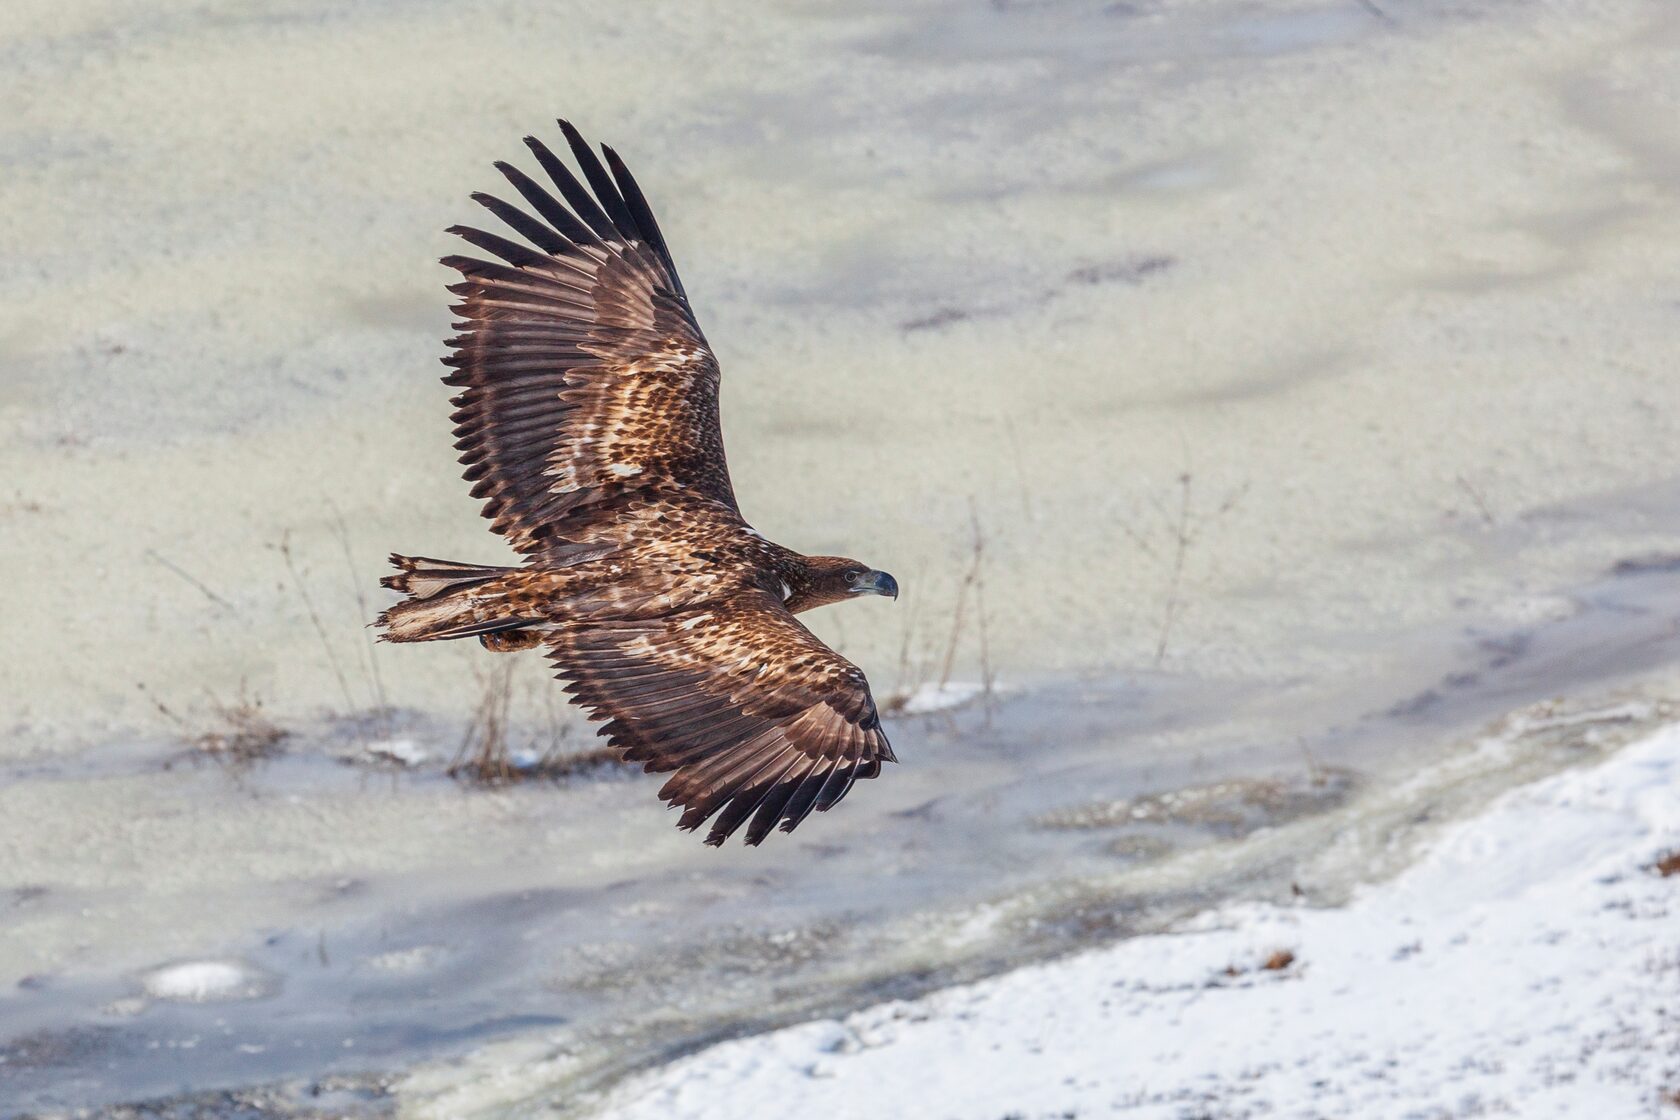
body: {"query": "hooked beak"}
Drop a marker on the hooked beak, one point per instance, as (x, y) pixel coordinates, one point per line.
(877, 583)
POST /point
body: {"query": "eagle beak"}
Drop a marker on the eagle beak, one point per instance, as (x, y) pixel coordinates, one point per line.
(879, 583)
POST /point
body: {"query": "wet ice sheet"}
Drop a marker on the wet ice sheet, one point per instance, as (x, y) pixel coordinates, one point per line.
(560, 937)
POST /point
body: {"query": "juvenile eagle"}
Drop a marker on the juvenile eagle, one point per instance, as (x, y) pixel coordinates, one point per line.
(588, 422)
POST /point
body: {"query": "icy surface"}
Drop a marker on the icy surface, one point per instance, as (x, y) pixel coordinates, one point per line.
(1527, 966)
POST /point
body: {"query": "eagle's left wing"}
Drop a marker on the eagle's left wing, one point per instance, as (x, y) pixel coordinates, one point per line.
(757, 717)
(584, 376)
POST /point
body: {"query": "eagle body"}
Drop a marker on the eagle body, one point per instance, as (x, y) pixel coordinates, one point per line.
(588, 423)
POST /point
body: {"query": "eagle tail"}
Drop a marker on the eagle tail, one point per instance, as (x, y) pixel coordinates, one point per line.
(447, 600)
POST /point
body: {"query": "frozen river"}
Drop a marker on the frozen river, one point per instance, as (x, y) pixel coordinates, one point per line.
(1069, 816)
(1307, 368)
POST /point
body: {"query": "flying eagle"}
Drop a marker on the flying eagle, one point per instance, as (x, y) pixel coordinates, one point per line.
(588, 423)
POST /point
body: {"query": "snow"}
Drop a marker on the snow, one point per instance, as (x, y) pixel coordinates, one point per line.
(1527, 965)
(207, 981)
(404, 751)
(943, 697)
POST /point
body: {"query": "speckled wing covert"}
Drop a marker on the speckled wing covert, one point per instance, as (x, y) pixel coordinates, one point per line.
(761, 721)
(586, 376)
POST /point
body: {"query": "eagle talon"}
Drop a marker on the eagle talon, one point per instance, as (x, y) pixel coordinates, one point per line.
(509, 641)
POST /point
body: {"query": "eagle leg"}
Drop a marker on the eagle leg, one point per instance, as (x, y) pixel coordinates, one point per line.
(510, 640)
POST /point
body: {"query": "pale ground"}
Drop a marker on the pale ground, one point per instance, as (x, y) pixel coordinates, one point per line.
(1397, 294)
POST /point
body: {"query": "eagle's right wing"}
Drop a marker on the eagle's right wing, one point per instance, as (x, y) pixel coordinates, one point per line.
(585, 374)
(761, 721)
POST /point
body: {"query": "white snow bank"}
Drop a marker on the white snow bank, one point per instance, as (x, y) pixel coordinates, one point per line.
(207, 981)
(1528, 965)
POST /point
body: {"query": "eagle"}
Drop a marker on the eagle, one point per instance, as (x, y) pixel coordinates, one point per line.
(588, 423)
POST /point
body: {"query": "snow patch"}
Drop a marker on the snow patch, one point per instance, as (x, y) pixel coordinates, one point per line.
(207, 981)
(404, 751)
(938, 697)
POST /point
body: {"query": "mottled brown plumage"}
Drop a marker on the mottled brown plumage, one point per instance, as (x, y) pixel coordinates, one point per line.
(588, 424)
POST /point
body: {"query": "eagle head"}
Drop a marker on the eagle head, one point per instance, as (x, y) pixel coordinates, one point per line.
(819, 580)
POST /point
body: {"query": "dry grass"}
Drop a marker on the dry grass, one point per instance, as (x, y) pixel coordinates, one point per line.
(971, 600)
(302, 589)
(1477, 498)
(377, 704)
(1182, 525)
(240, 733)
(487, 756)
(1667, 864)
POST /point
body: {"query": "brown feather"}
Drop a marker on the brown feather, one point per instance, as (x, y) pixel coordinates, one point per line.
(767, 746)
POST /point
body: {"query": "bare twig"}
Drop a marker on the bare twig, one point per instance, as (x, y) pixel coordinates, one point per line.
(1476, 496)
(1183, 526)
(285, 547)
(1136, 538)
(979, 573)
(484, 755)
(376, 683)
(959, 618)
(1020, 467)
(242, 734)
(1315, 772)
(1182, 536)
(153, 554)
(901, 684)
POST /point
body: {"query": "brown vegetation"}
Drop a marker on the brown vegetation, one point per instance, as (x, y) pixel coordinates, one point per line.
(1278, 960)
(241, 732)
(971, 596)
(486, 756)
